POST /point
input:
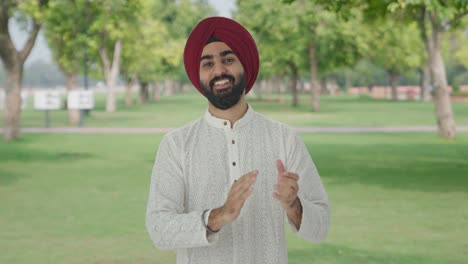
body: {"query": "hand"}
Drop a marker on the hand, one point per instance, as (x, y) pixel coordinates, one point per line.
(286, 187)
(240, 191)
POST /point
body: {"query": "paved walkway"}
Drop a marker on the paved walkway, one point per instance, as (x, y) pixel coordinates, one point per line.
(147, 130)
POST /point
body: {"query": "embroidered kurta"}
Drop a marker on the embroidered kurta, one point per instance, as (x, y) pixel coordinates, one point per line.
(194, 169)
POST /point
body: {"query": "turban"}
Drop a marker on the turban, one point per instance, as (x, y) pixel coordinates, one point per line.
(229, 32)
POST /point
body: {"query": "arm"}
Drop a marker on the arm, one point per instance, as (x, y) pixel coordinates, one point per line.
(315, 217)
(168, 225)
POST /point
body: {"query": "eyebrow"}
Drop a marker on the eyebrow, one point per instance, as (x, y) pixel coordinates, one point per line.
(222, 54)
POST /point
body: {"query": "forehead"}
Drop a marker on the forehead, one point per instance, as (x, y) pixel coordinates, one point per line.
(215, 48)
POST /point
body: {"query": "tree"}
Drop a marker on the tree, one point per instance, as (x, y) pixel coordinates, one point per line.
(66, 31)
(434, 18)
(441, 16)
(395, 48)
(108, 33)
(303, 37)
(31, 13)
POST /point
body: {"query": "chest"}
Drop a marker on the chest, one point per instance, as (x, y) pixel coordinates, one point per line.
(213, 162)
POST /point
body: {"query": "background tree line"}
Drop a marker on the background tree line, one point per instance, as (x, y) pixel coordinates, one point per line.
(359, 42)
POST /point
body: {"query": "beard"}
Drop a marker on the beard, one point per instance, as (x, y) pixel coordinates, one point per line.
(226, 98)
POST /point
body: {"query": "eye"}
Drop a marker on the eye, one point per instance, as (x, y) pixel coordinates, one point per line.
(207, 65)
(229, 60)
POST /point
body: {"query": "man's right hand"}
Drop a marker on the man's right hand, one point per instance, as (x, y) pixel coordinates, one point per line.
(240, 191)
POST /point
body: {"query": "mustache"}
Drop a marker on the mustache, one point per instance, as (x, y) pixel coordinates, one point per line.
(223, 76)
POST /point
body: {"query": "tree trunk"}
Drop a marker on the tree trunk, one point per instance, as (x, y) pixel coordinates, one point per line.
(111, 71)
(282, 91)
(441, 97)
(425, 83)
(12, 109)
(293, 82)
(129, 90)
(269, 91)
(13, 61)
(393, 79)
(156, 92)
(275, 89)
(144, 93)
(168, 87)
(314, 84)
(323, 85)
(73, 114)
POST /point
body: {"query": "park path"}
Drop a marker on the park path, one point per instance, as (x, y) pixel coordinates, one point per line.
(159, 130)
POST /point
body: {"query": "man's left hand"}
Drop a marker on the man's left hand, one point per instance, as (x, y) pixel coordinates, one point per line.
(286, 187)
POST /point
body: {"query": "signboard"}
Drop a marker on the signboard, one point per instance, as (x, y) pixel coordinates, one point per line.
(46, 100)
(80, 100)
(24, 99)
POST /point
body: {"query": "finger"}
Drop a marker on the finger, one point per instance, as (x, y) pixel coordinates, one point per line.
(288, 185)
(292, 176)
(280, 167)
(245, 181)
(251, 176)
(246, 194)
(287, 188)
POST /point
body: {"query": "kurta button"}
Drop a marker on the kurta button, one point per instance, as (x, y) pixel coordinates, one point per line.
(233, 164)
(225, 123)
(233, 142)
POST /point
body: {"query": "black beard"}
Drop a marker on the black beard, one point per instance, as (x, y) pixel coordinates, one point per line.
(226, 99)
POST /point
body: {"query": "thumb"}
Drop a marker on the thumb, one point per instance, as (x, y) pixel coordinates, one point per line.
(280, 166)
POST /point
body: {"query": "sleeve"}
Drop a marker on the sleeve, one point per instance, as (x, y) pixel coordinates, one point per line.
(315, 208)
(168, 225)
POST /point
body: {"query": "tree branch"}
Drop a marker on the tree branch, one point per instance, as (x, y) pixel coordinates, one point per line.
(105, 60)
(23, 54)
(455, 19)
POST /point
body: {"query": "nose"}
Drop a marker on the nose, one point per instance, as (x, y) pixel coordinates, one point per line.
(219, 69)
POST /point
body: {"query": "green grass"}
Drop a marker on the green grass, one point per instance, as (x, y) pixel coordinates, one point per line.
(395, 198)
(174, 111)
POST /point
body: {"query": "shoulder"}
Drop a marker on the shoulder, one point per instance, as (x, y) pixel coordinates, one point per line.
(274, 125)
(179, 136)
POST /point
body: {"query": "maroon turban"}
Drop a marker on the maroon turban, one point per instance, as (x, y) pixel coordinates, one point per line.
(229, 32)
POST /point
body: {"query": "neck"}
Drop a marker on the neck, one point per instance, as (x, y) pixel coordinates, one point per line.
(232, 114)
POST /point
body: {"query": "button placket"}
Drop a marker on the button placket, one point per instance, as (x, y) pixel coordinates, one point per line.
(233, 151)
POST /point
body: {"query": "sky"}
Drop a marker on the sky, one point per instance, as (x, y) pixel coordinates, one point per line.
(41, 51)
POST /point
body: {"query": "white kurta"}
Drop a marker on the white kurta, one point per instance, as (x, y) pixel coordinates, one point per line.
(193, 171)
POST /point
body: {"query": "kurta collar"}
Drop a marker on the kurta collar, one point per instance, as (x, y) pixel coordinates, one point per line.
(224, 123)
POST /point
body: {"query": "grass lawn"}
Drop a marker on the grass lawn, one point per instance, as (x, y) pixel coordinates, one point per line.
(174, 111)
(395, 198)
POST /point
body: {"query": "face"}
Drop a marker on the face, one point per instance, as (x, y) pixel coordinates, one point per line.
(222, 76)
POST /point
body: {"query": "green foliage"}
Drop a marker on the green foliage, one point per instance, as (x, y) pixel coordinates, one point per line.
(154, 45)
(397, 47)
(284, 33)
(67, 32)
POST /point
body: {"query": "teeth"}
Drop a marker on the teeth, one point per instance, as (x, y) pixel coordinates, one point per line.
(221, 82)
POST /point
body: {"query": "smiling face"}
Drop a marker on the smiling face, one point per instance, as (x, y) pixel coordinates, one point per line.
(222, 76)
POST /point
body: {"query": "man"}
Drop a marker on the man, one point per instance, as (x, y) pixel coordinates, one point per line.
(223, 185)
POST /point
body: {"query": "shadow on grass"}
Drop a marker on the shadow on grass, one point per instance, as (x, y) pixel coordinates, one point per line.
(19, 154)
(333, 254)
(417, 167)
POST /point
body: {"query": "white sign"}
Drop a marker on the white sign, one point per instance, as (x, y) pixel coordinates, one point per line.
(46, 100)
(24, 100)
(80, 100)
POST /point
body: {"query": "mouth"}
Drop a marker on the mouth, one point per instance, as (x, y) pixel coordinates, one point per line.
(222, 83)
